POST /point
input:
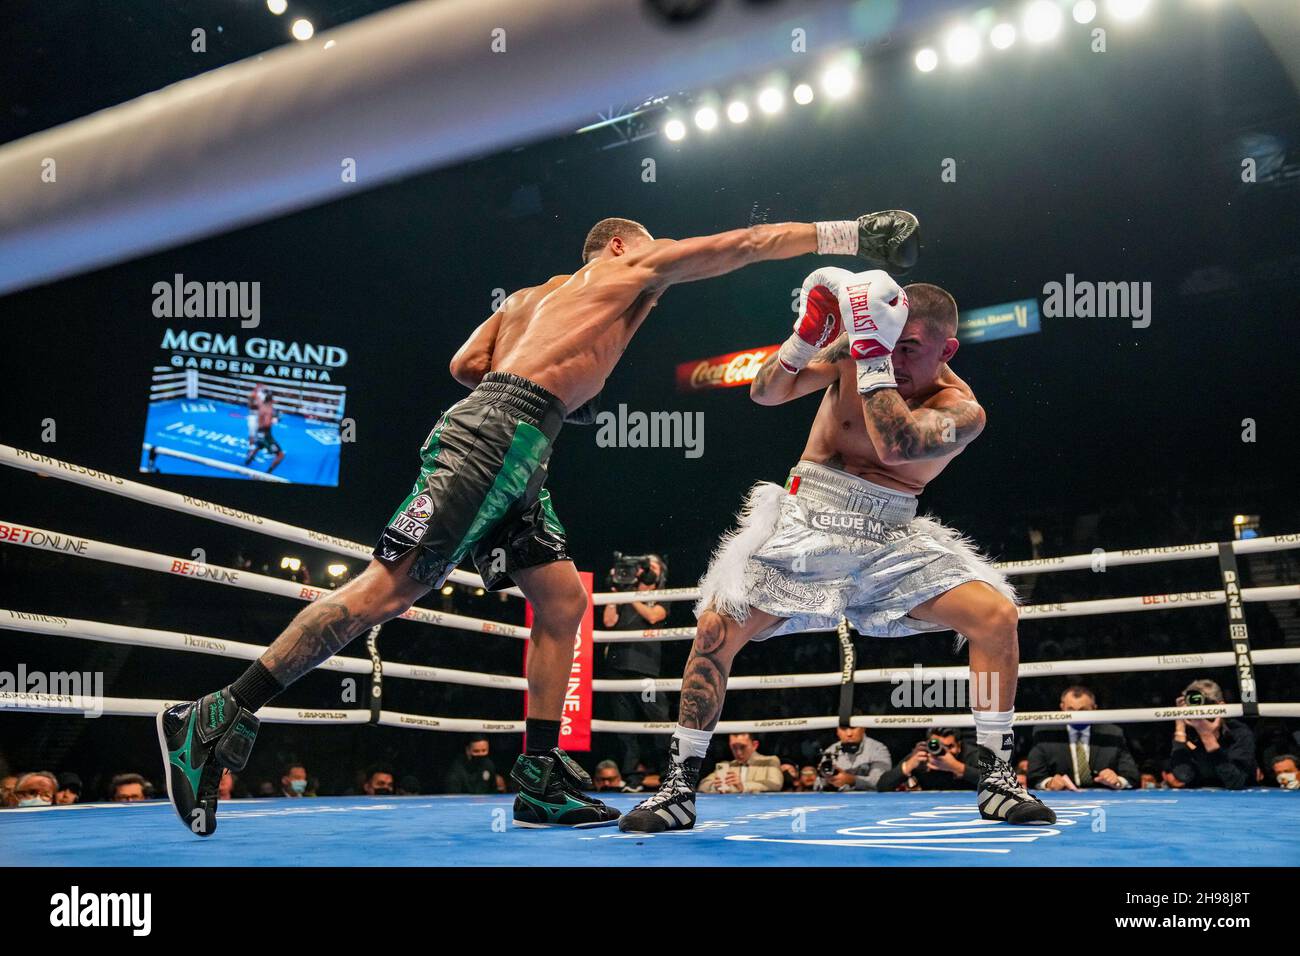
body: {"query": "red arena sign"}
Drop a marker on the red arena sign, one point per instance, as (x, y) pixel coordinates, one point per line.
(722, 371)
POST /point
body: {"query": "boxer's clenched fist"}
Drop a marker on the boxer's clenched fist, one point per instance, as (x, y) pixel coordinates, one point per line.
(819, 323)
(889, 239)
(874, 309)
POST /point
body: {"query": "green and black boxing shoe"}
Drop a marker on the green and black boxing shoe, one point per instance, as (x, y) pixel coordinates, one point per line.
(550, 794)
(198, 740)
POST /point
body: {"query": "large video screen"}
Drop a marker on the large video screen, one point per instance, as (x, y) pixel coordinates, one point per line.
(223, 405)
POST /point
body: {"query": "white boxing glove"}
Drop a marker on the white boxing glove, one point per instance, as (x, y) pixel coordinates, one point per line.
(819, 322)
(874, 310)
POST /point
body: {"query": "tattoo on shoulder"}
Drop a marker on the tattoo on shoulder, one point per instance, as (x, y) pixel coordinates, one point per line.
(925, 433)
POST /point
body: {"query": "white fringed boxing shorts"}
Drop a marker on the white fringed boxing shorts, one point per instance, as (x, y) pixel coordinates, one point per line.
(830, 544)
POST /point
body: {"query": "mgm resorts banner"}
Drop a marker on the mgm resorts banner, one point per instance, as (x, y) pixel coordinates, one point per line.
(739, 368)
(230, 405)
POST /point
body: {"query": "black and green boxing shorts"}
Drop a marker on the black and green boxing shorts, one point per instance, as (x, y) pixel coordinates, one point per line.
(265, 441)
(480, 488)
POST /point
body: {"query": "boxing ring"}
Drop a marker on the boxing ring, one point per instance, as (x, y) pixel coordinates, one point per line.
(1095, 827)
(268, 136)
(1197, 828)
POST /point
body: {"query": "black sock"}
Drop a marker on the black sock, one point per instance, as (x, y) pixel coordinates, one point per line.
(543, 735)
(255, 687)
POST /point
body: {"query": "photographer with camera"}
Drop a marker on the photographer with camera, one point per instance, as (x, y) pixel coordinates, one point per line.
(1210, 753)
(934, 764)
(636, 659)
(854, 762)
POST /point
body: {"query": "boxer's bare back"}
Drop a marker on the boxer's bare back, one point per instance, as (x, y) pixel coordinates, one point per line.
(568, 333)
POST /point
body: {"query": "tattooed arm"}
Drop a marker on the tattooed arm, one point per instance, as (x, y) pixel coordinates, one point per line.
(902, 434)
(773, 385)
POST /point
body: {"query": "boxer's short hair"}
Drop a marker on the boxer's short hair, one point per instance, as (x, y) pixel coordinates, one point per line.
(934, 306)
(606, 230)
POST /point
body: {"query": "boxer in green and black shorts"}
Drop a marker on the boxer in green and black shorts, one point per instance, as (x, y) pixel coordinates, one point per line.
(480, 491)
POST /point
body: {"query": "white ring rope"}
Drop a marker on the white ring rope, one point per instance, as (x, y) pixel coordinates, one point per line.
(54, 625)
(45, 540)
(78, 474)
(421, 85)
(138, 707)
(1135, 715)
(1073, 562)
(135, 707)
(102, 481)
(93, 630)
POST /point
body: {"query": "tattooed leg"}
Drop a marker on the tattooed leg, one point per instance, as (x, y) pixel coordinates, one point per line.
(717, 641)
(324, 628)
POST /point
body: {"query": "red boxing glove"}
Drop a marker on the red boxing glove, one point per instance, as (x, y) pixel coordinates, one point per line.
(819, 323)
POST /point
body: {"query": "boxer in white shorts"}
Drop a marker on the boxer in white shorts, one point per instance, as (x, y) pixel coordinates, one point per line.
(842, 538)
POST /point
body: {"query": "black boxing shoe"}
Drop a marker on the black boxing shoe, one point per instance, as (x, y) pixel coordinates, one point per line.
(198, 740)
(550, 794)
(1002, 798)
(889, 240)
(672, 807)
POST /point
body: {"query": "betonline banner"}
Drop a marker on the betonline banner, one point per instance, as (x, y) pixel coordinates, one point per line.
(575, 715)
(233, 405)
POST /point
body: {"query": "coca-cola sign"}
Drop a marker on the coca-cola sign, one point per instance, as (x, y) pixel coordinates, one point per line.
(722, 371)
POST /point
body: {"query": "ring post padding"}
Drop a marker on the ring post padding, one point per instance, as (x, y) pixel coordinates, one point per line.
(1238, 632)
(376, 675)
(848, 662)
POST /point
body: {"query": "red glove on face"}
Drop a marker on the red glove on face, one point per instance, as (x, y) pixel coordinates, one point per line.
(819, 323)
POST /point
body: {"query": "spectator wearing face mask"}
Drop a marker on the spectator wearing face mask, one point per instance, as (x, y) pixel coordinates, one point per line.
(474, 771)
(295, 783)
(379, 782)
(35, 789)
(1081, 755)
(854, 762)
(1286, 771)
(1150, 777)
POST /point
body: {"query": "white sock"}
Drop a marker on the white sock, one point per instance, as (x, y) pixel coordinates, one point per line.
(690, 743)
(993, 730)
